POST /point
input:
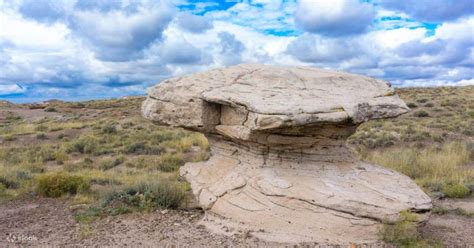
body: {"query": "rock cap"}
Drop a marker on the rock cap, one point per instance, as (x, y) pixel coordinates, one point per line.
(263, 97)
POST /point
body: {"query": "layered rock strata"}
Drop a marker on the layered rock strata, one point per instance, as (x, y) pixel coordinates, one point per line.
(279, 167)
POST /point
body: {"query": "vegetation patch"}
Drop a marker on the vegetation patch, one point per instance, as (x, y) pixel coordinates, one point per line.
(144, 196)
(170, 162)
(109, 163)
(404, 233)
(456, 190)
(56, 184)
(50, 109)
(421, 113)
(435, 169)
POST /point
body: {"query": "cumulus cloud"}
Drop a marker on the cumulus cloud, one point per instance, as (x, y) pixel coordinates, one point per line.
(230, 48)
(193, 23)
(45, 10)
(179, 52)
(11, 89)
(451, 44)
(274, 17)
(316, 49)
(335, 18)
(432, 10)
(106, 5)
(122, 35)
(80, 49)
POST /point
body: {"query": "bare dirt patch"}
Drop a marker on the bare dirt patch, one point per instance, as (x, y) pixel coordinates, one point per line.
(453, 230)
(44, 221)
(50, 222)
(31, 115)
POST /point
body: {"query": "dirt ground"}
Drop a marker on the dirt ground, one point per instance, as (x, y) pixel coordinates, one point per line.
(43, 221)
(50, 222)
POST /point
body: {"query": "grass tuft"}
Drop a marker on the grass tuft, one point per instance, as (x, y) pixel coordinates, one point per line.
(56, 184)
(140, 197)
(404, 232)
(456, 190)
(431, 166)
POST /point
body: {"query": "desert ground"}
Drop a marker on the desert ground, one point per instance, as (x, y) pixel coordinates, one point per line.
(97, 173)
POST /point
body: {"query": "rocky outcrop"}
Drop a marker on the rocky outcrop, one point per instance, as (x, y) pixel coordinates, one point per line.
(279, 167)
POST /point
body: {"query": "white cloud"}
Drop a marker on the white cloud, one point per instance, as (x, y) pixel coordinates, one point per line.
(462, 29)
(119, 35)
(9, 89)
(113, 48)
(336, 17)
(193, 23)
(30, 34)
(393, 38)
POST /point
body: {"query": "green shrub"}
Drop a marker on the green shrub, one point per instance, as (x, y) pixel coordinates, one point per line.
(77, 105)
(50, 109)
(456, 190)
(163, 194)
(23, 175)
(440, 210)
(404, 232)
(85, 144)
(3, 191)
(429, 105)
(57, 184)
(8, 183)
(127, 125)
(54, 129)
(41, 135)
(41, 128)
(144, 196)
(412, 105)
(135, 148)
(109, 163)
(470, 114)
(41, 154)
(170, 162)
(109, 129)
(142, 148)
(201, 156)
(421, 113)
(8, 137)
(61, 157)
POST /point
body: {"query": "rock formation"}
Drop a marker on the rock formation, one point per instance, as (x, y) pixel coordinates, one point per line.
(279, 167)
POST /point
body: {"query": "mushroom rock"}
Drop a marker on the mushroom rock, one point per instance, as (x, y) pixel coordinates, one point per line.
(279, 168)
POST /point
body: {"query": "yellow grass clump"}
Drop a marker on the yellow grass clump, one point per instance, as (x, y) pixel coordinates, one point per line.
(432, 168)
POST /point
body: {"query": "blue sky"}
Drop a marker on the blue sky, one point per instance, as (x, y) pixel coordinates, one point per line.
(87, 49)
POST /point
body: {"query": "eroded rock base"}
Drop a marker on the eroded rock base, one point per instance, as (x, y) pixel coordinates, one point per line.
(318, 194)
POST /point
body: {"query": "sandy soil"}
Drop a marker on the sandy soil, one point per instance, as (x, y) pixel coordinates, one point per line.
(44, 221)
(451, 229)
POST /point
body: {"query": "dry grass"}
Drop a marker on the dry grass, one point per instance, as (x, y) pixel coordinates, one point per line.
(404, 233)
(111, 146)
(103, 151)
(433, 144)
(431, 167)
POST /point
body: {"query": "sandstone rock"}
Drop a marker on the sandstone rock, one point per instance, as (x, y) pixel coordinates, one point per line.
(279, 167)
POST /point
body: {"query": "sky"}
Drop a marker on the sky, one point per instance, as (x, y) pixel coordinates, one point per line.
(89, 49)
